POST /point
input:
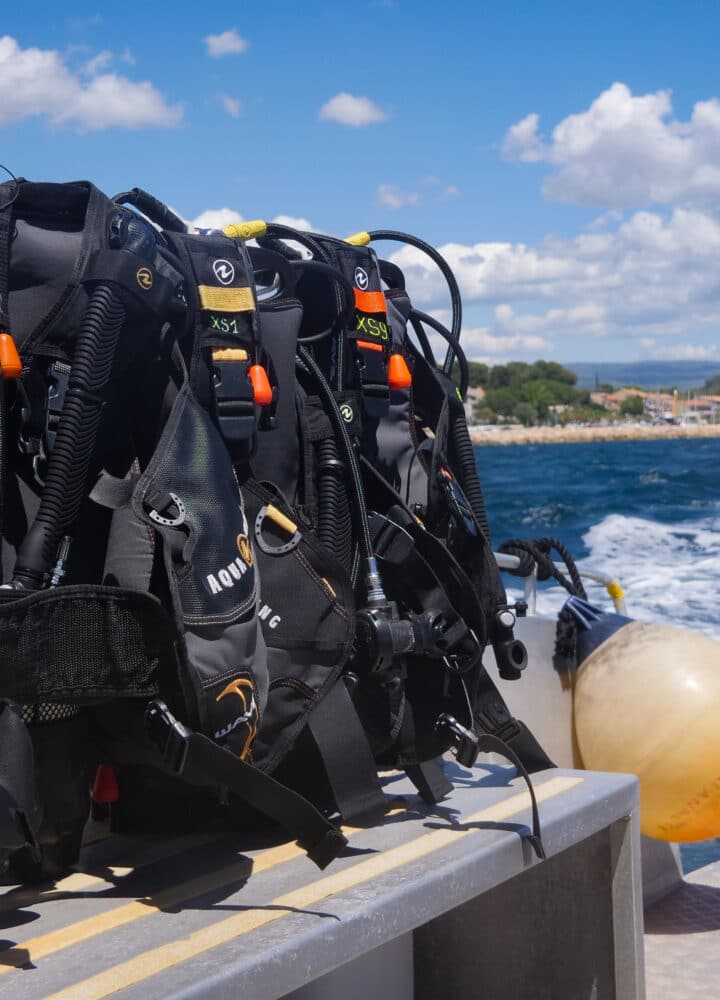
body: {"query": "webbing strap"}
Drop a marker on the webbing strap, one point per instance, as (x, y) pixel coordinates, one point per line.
(487, 743)
(347, 758)
(19, 808)
(6, 228)
(181, 749)
(430, 781)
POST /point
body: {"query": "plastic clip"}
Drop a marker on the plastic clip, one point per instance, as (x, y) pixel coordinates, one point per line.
(463, 742)
(168, 734)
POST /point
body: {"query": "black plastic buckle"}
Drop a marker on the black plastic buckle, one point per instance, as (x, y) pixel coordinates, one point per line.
(457, 501)
(59, 380)
(168, 734)
(463, 742)
(234, 400)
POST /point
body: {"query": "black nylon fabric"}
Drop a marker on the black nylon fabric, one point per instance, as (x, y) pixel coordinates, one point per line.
(307, 615)
(277, 458)
(82, 644)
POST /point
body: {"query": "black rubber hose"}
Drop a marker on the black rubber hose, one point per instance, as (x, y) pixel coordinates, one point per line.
(437, 326)
(69, 463)
(334, 519)
(431, 252)
(276, 231)
(340, 281)
(423, 340)
(152, 208)
(469, 478)
(357, 490)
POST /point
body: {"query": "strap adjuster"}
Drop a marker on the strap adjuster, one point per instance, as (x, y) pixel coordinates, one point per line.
(168, 734)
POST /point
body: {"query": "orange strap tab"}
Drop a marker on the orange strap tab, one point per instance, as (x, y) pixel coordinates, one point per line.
(399, 376)
(367, 345)
(370, 302)
(9, 357)
(262, 390)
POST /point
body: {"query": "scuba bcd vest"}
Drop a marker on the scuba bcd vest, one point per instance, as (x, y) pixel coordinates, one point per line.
(245, 555)
(128, 566)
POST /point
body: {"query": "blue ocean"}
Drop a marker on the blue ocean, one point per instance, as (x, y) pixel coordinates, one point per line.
(647, 512)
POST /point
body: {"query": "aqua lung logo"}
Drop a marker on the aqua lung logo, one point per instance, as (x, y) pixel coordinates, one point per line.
(265, 614)
(241, 688)
(227, 577)
(224, 272)
(361, 279)
(346, 412)
(144, 278)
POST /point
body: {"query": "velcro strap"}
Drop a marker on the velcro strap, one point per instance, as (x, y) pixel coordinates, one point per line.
(82, 643)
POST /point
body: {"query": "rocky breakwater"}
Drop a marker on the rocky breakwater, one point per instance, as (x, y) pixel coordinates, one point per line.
(514, 434)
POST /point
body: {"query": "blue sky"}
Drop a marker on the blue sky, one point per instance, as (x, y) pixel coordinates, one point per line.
(589, 232)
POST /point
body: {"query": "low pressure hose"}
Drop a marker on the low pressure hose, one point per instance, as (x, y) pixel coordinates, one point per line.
(439, 260)
(469, 478)
(67, 470)
(334, 523)
(69, 463)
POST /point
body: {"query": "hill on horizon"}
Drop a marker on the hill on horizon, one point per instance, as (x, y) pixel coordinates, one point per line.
(645, 374)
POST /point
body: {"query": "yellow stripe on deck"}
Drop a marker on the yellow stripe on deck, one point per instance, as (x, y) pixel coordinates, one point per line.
(108, 920)
(79, 882)
(156, 960)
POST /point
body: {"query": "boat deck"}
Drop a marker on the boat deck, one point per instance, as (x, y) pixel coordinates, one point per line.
(682, 940)
(192, 919)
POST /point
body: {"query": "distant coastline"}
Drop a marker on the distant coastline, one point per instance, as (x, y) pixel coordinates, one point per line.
(514, 434)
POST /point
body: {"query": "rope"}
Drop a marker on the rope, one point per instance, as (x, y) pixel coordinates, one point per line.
(537, 551)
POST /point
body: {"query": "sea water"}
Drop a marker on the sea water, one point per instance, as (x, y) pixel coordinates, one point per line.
(646, 512)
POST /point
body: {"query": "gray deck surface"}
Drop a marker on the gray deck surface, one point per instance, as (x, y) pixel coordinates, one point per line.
(185, 918)
(682, 940)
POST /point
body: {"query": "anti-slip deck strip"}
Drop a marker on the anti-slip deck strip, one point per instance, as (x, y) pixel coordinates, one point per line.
(164, 957)
(141, 856)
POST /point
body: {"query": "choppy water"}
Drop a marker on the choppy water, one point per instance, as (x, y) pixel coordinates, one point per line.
(648, 512)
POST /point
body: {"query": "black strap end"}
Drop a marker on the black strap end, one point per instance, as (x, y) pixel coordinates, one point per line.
(325, 850)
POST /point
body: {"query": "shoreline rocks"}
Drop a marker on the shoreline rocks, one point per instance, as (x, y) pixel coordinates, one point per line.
(574, 435)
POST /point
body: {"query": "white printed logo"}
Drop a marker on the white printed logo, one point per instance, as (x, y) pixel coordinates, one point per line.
(224, 271)
(361, 279)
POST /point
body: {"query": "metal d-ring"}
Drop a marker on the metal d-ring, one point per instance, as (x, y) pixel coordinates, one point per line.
(281, 521)
(170, 522)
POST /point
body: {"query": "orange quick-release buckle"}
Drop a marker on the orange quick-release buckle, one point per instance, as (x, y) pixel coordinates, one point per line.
(399, 376)
(9, 358)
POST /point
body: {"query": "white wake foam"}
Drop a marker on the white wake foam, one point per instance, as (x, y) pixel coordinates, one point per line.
(670, 572)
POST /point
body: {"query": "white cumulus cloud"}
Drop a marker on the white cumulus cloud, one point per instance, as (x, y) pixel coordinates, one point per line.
(626, 151)
(217, 218)
(684, 352)
(98, 63)
(232, 106)
(227, 43)
(37, 83)
(392, 197)
(648, 277)
(353, 111)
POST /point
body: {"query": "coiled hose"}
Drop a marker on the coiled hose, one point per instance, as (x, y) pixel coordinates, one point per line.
(334, 519)
(469, 478)
(75, 441)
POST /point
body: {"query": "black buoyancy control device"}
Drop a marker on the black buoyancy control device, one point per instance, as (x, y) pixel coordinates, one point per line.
(131, 573)
(416, 667)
